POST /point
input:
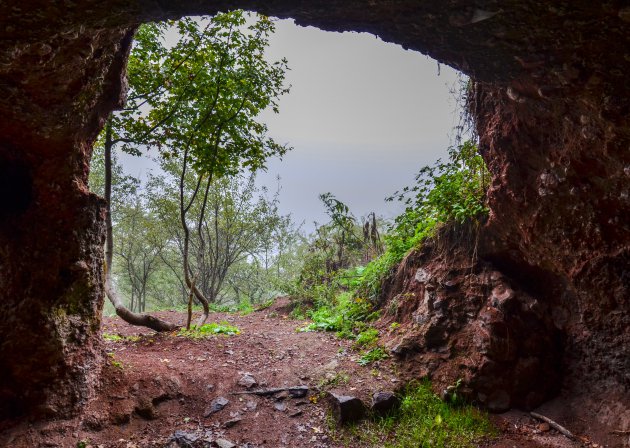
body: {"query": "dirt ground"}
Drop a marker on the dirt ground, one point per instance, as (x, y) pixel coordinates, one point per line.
(158, 391)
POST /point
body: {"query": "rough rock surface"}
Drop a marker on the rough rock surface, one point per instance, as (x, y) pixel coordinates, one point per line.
(345, 409)
(465, 320)
(552, 114)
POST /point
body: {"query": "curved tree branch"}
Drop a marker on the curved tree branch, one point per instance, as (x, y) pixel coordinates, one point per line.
(138, 319)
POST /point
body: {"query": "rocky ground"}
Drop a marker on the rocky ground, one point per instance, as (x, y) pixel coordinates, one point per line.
(164, 390)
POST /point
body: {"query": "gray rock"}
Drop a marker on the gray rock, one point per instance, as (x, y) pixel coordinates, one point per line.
(345, 408)
(298, 392)
(183, 439)
(280, 406)
(224, 443)
(247, 381)
(216, 405)
(232, 422)
(384, 402)
(251, 405)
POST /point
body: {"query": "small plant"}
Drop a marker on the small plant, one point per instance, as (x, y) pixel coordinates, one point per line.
(298, 313)
(119, 338)
(422, 421)
(394, 326)
(346, 315)
(373, 355)
(367, 338)
(82, 444)
(208, 330)
(451, 394)
(114, 362)
(265, 305)
(330, 381)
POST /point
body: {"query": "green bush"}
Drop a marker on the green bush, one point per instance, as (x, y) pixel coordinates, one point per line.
(345, 315)
(367, 338)
(343, 295)
(447, 191)
(444, 192)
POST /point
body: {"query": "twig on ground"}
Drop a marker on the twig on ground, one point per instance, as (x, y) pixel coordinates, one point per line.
(561, 429)
(620, 432)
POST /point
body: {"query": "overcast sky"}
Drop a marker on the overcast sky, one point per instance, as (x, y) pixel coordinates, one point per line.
(362, 116)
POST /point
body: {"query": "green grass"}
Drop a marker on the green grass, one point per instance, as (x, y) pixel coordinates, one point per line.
(244, 307)
(208, 330)
(346, 315)
(119, 338)
(367, 338)
(370, 356)
(422, 421)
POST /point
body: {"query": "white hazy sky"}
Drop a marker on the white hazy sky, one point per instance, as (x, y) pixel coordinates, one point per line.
(362, 116)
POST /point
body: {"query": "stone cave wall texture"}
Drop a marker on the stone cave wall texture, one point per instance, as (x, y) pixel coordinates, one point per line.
(552, 111)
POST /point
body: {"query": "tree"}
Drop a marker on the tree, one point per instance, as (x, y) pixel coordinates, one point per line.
(197, 102)
(122, 311)
(238, 222)
(107, 175)
(140, 245)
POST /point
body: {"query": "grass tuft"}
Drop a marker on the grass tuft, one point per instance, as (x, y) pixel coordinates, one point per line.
(209, 330)
(119, 338)
(422, 421)
(373, 355)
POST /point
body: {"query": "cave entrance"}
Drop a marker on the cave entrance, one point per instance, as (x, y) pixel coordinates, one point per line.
(363, 116)
(552, 118)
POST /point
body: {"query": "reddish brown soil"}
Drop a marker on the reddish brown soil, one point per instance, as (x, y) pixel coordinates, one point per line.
(162, 383)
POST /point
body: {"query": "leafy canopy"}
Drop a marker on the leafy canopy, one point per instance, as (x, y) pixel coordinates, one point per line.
(201, 95)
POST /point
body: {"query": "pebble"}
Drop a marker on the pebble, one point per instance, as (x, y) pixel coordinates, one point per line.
(224, 443)
(247, 381)
(280, 406)
(216, 405)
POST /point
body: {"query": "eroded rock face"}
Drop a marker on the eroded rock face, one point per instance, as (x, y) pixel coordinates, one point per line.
(561, 209)
(552, 115)
(470, 328)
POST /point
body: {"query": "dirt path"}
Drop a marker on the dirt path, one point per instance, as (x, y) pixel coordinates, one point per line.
(158, 390)
(184, 376)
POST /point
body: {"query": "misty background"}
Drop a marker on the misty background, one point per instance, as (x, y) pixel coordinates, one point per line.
(363, 116)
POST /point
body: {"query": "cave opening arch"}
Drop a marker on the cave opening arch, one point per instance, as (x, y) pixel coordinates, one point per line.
(552, 114)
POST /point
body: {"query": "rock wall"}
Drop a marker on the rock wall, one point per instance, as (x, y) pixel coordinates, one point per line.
(561, 208)
(465, 322)
(55, 95)
(538, 299)
(552, 116)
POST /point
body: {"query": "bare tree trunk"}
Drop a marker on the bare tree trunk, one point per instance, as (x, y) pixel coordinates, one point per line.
(183, 210)
(190, 303)
(139, 319)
